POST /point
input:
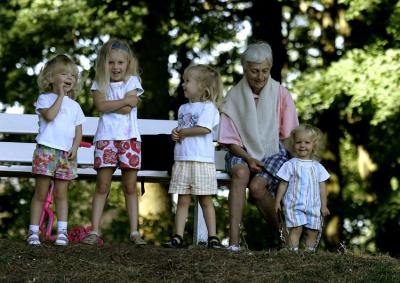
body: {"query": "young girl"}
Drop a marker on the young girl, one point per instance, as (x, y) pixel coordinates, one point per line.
(193, 172)
(116, 92)
(303, 188)
(60, 132)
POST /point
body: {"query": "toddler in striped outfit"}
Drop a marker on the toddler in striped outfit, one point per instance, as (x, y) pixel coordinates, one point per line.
(302, 188)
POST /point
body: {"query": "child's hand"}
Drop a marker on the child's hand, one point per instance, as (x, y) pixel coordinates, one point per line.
(59, 88)
(175, 135)
(131, 100)
(325, 211)
(72, 154)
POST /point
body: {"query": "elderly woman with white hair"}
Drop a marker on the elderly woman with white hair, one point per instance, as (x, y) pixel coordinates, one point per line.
(257, 116)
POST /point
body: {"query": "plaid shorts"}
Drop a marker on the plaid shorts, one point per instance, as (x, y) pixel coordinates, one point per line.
(271, 166)
(193, 178)
(53, 162)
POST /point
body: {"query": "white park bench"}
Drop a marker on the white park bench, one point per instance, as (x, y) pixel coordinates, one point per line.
(16, 156)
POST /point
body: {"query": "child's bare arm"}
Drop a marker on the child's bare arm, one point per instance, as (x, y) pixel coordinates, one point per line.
(191, 132)
(72, 153)
(103, 105)
(49, 114)
(124, 110)
(279, 195)
(324, 197)
(133, 101)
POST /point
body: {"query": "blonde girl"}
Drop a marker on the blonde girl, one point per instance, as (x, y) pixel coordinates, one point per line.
(303, 188)
(116, 91)
(193, 172)
(60, 132)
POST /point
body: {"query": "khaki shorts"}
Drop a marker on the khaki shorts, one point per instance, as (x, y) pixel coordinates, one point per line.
(193, 178)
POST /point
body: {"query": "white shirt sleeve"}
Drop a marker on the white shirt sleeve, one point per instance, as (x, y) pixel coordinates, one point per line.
(323, 174)
(285, 172)
(209, 117)
(43, 102)
(80, 117)
(133, 83)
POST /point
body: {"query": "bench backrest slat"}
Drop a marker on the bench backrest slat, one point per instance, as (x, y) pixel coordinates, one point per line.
(28, 124)
(20, 152)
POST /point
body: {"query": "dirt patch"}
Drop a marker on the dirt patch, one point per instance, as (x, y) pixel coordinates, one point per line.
(127, 263)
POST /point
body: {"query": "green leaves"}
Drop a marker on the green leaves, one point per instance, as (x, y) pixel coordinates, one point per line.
(367, 80)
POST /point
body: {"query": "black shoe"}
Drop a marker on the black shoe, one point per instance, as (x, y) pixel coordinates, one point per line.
(214, 243)
(176, 242)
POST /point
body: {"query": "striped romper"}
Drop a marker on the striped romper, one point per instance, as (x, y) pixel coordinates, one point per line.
(302, 202)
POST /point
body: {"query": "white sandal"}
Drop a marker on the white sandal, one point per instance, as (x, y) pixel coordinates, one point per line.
(33, 238)
(62, 239)
(136, 239)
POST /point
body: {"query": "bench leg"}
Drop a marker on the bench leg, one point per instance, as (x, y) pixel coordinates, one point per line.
(200, 232)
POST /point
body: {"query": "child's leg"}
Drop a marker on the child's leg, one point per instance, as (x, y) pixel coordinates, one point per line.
(207, 206)
(61, 199)
(294, 237)
(311, 239)
(41, 190)
(103, 185)
(129, 177)
(182, 211)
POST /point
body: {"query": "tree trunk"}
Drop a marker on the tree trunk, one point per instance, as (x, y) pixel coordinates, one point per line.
(266, 18)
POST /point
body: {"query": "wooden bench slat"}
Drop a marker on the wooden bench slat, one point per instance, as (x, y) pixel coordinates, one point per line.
(22, 153)
(29, 124)
(88, 173)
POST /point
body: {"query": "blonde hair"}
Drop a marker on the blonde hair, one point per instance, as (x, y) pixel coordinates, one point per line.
(54, 66)
(102, 76)
(209, 81)
(316, 136)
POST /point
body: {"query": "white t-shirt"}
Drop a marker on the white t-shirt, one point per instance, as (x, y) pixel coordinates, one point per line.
(115, 126)
(60, 132)
(197, 148)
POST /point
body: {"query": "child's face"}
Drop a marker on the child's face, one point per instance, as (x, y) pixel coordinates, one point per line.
(303, 145)
(117, 64)
(191, 87)
(63, 78)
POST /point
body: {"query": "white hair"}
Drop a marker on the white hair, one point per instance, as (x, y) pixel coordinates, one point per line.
(257, 53)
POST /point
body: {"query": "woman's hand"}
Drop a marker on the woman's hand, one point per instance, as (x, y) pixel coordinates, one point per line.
(255, 165)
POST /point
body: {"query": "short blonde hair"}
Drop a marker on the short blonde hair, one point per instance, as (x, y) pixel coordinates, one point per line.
(102, 76)
(54, 66)
(209, 81)
(316, 135)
